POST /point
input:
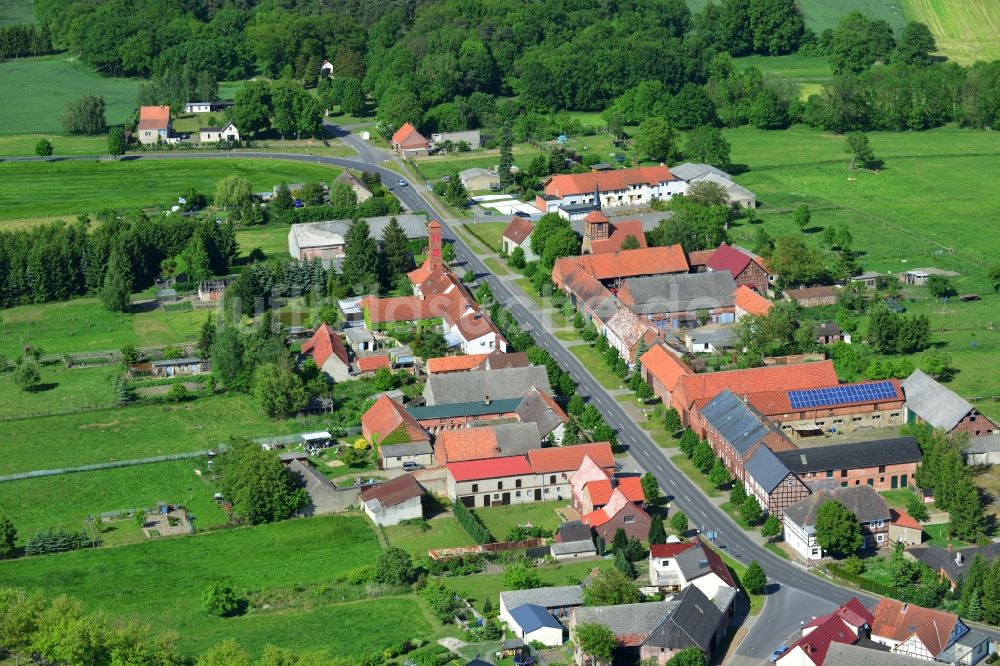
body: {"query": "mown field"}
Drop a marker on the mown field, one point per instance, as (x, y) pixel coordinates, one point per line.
(810, 72)
(85, 325)
(44, 189)
(162, 582)
(965, 31)
(139, 431)
(66, 500)
(34, 93)
(822, 14)
(16, 11)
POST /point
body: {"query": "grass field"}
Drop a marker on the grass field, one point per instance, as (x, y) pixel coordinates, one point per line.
(34, 93)
(139, 431)
(71, 188)
(271, 239)
(444, 532)
(66, 500)
(16, 11)
(478, 587)
(810, 72)
(822, 14)
(500, 519)
(432, 168)
(964, 31)
(60, 388)
(24, 144)
(84, 325)
(488, 232)
(162, 582)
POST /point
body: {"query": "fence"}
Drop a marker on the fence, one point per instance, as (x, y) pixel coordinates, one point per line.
(447, 553)
(99, 466)
(864, 583)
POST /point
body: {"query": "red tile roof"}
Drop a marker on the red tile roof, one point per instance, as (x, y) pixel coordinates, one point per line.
(421, 273)
(664, 366)
(467, 444)
(492, 468)
(407, 136)
(622, 231)
(700, 257)
(373, 363)
(726, 258)
(454, 363)
(323, 344)
(626, 263)
(817, 643)
(903, 519)
(393, 492)
(705, 386)
(773, 403)
(899, 621)
(750, 301)
(518, 229)
(385, 417)
(153, 117)
(600, 491)
(399, 308)
(569, 458)
(666, 550)
(811, 292)
(564, 185)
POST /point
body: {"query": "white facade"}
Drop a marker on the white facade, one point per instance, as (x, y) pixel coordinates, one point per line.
(509, 245)
(397, 462)
(519, 489)
(335, 369)
(392, 515)
(549, 636)
(198, 107)
(802, 540)
(634, 195)
(214, 135)
(664, 572)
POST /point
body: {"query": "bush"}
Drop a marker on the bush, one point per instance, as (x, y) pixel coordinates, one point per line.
(220, 600)
(55, 541)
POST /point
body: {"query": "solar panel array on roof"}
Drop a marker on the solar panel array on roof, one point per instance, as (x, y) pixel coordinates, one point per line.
(841, 395)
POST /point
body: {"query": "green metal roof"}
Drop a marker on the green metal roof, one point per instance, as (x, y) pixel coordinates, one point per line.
(464, 409)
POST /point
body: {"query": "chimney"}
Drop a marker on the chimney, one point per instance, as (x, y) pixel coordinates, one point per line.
(486, 400)
(959, 560)
(614, 482)
(903, 609)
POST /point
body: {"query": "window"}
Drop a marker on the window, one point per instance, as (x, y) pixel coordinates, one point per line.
(629, 520)
(475, 487)
(838, 421)
(829, 473)
(880, 538)
(496, 496)
(876, 417)
(552, 479)
(881, 469)
(856, 419)
(902, 480)
(844, 484)
(517, 494)
(499, 485)
(517, 484)
(843, 473)
(871, 482)
(546, 491)
(893, 415)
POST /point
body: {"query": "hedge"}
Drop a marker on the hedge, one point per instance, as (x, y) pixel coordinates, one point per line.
(470, 523)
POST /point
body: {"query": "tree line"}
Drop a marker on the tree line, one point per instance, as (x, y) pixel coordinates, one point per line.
(19, 41)
(59, 261)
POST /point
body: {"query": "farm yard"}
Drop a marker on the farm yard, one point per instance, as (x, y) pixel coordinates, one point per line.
(79, 187)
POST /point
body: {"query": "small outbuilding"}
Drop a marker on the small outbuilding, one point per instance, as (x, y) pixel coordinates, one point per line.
(394, 501)
(533, 623)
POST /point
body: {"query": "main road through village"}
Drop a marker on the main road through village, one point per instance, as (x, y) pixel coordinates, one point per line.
(794, 593)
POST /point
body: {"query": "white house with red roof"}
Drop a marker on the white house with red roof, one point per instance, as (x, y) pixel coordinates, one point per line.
(674, 566)
(328, 351)
(517, 234)
(154, 124)
(569, 194)
(408, 142)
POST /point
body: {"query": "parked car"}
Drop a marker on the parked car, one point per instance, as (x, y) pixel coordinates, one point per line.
(777, 654)
(409, 466)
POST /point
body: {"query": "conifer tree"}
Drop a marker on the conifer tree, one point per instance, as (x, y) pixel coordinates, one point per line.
(395, 250)
(116, 291)
(361, 257)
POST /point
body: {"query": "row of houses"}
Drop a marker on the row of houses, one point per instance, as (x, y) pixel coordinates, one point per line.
(155, 127)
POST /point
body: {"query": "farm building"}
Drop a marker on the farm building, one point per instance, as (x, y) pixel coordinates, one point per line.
(394, 501)
(408, 142)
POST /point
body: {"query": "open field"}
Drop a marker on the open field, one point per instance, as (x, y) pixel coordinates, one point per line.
(24, 144)
(16, 11)
(139, 431)
(488, 232)
(478, 587)
(271, 239)
(810, 72)
(66, 500)
(433, 167)
(822, 14)
(926, 197)
(162, 582)
(444, 532)
(71, 188)
(500, 519)
(84, 325)
(964, 31)
(61, 388)
(34, 93)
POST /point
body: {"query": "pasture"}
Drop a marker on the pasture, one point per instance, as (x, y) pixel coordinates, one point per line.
(139, 431)
(810, 72)
(162, 582)
(925, 198)
(34, 93)
(61, 388)
(85, 325)
(965, 31)
(66, 500)
(822, 14)
(75, 187)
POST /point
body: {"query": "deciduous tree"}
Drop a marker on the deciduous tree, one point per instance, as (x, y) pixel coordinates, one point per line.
(611, 587)
(706, 144)
(656, 139)
(259, 487)
(837, 529)
(679, 522)
(755, 580)
(596, 641)
(859, 148)
(916, 43)
(395, 567)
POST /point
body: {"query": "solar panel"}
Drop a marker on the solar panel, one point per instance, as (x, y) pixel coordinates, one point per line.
(842, 395)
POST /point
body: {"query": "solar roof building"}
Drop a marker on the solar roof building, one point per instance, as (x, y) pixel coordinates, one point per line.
(841, 408)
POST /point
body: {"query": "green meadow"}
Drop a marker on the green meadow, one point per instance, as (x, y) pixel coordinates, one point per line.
(162, 582)
(61, 389)
(45, 189)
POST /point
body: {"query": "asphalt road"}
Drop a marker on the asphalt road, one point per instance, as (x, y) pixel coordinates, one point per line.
(795, 594)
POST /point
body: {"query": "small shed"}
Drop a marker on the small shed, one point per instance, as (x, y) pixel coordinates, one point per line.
(394, 501)
(314, 441)
(166, 296)
(176, 367)
(359, 339)
(534, 623)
